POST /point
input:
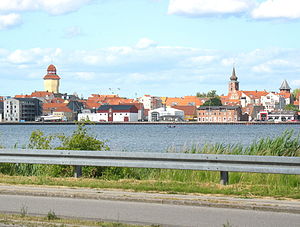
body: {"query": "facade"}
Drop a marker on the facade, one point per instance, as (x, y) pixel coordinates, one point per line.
(111, 113)
(190, 112)
(51, 80)
(22, 109)
(150, 102)
(221, 114)
(273, 101)
(166, 114)
(277, 116)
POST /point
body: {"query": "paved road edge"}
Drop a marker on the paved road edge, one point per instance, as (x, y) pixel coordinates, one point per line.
(203, 200)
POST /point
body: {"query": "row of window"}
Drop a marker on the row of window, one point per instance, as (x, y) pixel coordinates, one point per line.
(216, 119)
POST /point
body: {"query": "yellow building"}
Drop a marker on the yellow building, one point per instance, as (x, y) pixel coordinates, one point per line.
(51, 80)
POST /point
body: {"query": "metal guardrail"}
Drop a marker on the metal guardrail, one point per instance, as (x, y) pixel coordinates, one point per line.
(208, 162)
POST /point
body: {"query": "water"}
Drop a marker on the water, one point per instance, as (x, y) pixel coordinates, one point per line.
(151, 138)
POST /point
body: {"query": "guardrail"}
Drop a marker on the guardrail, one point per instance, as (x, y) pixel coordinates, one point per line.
(208, 162)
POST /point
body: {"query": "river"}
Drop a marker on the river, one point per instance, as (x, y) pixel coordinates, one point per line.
(151, 138)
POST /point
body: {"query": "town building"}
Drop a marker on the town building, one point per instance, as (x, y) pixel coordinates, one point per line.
(190, 112)
(278, 116)
(183, 101)
(111, 113)
(166, 114)
(150, 102)
(221, 114)
(22, 109)
(51, 80)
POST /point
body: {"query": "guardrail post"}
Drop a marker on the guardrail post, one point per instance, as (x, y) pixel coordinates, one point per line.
(77, 171)
(224, 177)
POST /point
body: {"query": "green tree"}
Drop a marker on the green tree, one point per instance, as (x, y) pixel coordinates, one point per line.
(79, 140)
(210, 94)
(291, 107)
(213, 102)
(296, 93)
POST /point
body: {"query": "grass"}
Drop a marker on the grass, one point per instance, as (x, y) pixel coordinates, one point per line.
(33, 221)
(265, 185)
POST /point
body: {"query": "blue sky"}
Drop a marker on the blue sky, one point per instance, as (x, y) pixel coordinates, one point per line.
(158, 47)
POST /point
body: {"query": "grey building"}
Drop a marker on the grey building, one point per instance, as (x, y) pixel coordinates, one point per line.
(22, 109)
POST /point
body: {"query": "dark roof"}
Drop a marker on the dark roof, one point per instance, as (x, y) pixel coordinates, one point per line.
(116, 107)
(218, 107)
(284, 86)
(28, 99)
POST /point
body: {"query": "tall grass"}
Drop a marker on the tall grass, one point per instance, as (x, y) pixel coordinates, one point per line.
(287, 144)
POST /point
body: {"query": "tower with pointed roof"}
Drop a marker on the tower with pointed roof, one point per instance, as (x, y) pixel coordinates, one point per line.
(233, 86)
(51, 80)
(285, 88)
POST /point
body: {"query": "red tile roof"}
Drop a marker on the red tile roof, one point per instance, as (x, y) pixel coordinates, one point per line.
(188, 110)
(41, 94)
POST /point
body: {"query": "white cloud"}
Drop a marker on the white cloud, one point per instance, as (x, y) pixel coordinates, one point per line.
(145, 43)
(9, 20)
(271, 9)
(263, 68)
(208, 7)
(85, 75)
(164, 69)
(54, 7)
(34, 55)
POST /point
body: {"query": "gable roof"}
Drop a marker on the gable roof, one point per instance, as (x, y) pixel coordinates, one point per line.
(117, 107)
(255, 94)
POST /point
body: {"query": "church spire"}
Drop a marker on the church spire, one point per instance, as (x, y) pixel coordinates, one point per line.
(233, 76)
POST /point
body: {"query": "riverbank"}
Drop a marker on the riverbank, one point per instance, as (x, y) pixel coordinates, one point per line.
(153, 123)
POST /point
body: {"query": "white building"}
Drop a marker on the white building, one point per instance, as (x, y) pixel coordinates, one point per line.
(111, 113)
(165, 114)
(150, 102)
(273, 101)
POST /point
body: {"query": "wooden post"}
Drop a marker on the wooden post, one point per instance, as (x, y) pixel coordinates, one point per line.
(77, 171)
(224, 177)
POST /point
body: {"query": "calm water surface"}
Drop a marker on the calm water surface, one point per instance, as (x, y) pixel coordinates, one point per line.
(154, 138)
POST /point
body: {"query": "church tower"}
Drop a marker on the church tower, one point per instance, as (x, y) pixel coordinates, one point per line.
(285, 88)
(233, 86)
(51, 80)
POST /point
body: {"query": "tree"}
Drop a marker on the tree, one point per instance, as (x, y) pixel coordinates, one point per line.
(291, 107)
(210, 94)
(213, 102)
(296, 93)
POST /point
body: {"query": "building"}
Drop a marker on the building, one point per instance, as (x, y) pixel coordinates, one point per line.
(233, 87)
(51, 80)
(221, 114)
(111, 113)
(277, 116)
(22, 109)
(183, 101)
(190, 112)
(150, 102)
(166, 114)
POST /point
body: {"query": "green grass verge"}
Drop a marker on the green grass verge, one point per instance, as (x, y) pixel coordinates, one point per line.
(34, 221)
(246, 185)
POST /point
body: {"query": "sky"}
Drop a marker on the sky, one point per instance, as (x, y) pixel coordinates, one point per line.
(158, 47)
